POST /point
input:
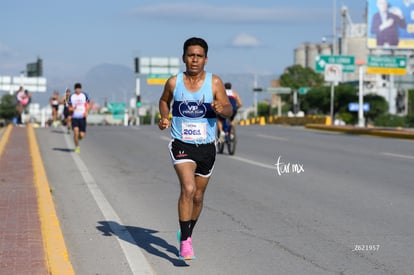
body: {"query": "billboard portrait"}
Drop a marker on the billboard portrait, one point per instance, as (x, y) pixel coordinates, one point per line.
(390, 24)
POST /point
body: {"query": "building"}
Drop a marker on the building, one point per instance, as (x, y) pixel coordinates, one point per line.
(353, 42)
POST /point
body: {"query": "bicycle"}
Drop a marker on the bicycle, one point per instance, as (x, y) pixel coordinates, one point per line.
(230, 139)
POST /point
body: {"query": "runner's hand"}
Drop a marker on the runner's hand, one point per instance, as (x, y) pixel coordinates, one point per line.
(217, 106)
(164, 123)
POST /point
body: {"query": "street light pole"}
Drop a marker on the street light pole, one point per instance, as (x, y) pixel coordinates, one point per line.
(333, 53)
(334, 27)
(361, 97)
(361, 120)
(255, 94)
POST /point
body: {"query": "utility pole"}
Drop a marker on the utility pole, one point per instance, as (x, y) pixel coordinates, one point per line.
(333, 53)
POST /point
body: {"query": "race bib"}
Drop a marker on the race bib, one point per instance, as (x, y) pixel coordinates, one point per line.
(194, 130)
(79, 110)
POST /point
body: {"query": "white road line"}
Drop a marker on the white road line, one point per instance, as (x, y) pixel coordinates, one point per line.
(256, 163)
(136, 259)
(397, 155)
(272, 137)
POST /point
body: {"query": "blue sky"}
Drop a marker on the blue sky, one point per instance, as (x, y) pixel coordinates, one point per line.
(244, 36)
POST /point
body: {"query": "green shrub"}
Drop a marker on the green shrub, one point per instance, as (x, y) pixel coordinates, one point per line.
(388, 120)
(7, 107)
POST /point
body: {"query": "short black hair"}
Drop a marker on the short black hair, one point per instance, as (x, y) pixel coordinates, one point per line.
(195, 41)
(227, 85)
(78, 86)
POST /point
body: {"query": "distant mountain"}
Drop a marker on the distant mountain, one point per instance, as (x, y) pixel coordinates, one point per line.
(114, 83)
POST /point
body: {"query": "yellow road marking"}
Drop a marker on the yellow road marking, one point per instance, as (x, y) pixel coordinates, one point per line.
(5, 138)
(55, 249)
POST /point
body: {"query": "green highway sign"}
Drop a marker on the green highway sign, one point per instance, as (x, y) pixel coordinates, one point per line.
(387, 64)
(166, 76)
(117, 109)
(347, 62)
(157, 79)
(303, 90)
(276, 90)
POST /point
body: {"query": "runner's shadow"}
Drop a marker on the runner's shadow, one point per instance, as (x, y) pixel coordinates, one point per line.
(143, 237)
(67, 150)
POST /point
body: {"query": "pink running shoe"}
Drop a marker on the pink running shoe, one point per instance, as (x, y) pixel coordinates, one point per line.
(186, 249)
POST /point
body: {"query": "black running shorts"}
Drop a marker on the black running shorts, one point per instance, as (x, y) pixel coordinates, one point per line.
(204, 155)
(79, 123)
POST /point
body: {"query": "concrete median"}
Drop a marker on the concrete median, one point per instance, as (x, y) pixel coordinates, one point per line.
(374, 131)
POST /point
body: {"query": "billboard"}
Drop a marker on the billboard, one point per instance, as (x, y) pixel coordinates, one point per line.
(390, 24)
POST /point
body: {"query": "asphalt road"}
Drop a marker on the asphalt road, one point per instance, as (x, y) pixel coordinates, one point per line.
(291, 201)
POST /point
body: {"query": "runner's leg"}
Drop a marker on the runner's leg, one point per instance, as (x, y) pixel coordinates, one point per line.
(185, 172)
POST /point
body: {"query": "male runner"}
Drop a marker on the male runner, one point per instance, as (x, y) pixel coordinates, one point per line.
(197, 96)
(79, 106)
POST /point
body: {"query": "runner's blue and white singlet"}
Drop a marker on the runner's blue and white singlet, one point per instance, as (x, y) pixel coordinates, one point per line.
(193, 118)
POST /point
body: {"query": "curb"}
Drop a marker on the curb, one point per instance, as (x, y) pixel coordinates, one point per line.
(402, 134)
(56, 254)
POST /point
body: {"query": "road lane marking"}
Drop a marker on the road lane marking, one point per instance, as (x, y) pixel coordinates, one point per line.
(397, 155)
(55, 248)
(256, 163)
(136, 259)
(272, 137)
(5, 138)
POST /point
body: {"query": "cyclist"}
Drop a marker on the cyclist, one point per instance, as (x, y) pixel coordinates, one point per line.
(236, 103)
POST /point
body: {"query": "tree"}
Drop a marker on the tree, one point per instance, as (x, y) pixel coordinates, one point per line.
(378, 106)
(410, 107)
(344, 94)
(7, 107)
(263, 109)
(297, 76)
(316, 101)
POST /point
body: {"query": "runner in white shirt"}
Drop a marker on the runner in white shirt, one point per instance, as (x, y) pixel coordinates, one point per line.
(79, 105)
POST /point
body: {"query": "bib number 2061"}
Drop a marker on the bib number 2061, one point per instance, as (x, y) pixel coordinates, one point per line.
(191, 132)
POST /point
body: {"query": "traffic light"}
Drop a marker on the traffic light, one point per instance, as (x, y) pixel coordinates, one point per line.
(136, 63)
(400, 101)
(139, 103)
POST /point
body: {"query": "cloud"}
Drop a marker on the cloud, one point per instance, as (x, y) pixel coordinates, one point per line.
(10, 60)
(200, 12)
(5, 51)
(244, 40)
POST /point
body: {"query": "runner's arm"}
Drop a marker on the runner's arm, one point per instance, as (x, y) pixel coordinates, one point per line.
(165, 102)
(221, 103)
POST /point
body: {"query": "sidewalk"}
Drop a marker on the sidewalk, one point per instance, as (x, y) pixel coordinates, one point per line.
(21, 245)
(31, 241)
